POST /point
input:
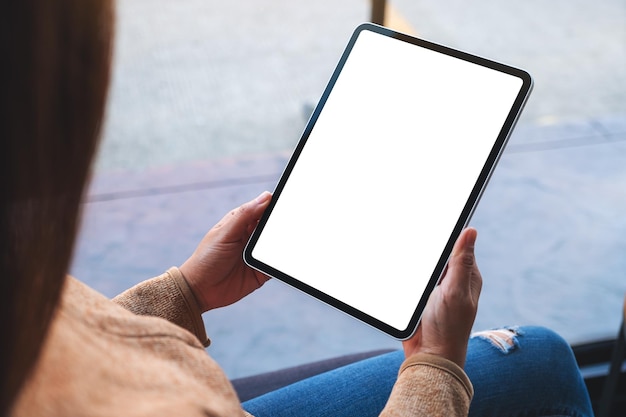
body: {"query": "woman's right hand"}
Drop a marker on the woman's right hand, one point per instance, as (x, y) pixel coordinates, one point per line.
(451, 309)
(216, 272)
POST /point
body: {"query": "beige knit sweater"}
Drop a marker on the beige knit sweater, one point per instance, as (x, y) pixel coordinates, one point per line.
(121, 358)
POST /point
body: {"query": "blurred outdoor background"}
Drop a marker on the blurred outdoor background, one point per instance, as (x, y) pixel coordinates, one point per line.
(208, 99)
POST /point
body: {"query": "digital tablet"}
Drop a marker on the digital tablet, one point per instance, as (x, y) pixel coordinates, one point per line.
(386, 175)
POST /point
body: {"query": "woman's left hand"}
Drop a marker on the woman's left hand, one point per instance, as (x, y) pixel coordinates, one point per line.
(216, 271)
(451, 309)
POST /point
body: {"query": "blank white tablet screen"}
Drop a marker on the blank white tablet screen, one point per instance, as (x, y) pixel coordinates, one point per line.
(385, 174)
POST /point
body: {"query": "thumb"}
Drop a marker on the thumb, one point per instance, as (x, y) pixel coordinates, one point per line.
(462, 261)
(239, 221)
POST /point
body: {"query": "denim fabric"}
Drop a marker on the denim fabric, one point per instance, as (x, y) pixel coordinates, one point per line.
(358, 389)
(516, 372)
(537, 376)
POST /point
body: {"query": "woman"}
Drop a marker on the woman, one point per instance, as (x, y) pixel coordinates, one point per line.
(67, 350)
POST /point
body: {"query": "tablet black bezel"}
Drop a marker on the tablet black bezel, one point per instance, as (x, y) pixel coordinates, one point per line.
(466, 213)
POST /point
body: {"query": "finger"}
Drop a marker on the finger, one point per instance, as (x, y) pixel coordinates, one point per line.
(261, 278)
(237, 223)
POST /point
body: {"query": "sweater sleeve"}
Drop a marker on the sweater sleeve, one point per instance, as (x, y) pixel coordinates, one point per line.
(167, 296)
(430, 386)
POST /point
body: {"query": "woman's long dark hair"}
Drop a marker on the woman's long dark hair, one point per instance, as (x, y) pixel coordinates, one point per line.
(54, 71)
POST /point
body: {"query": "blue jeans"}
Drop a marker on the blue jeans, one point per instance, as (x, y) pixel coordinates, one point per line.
(526, 371)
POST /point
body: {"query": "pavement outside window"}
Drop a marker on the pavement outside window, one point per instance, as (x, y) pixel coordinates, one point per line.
(208, 99)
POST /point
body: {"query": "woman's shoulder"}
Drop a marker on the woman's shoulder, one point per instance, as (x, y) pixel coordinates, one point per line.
(98, 357)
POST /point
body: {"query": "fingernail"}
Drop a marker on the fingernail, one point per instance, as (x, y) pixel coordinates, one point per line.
(265, 196)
